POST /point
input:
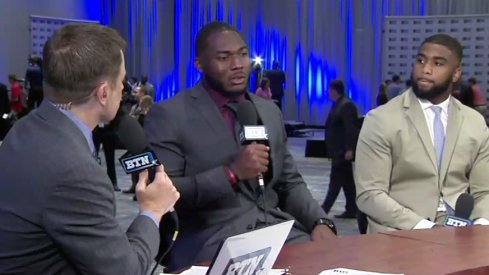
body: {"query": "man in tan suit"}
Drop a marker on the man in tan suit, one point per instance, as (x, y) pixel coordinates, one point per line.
(420, 151)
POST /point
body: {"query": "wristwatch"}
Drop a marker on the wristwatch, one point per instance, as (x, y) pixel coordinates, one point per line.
(329, 223)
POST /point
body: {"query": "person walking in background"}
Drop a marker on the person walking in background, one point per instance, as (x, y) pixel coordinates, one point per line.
(263, 90)
(33, 82)
(5, 122)
(277, 82)
(466, 95)
(145, 103)
(106, 134)
(395, 87)
(148, 87)
(15, 95)
(382, 96)
(480, 100)
(341, 139)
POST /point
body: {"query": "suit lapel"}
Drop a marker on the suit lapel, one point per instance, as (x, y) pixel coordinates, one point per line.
(455, 120)
(416, 115)
(210, 113)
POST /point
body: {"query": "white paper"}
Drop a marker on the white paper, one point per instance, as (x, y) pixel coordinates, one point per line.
(347, 271)
(252, 251)
(202, 270)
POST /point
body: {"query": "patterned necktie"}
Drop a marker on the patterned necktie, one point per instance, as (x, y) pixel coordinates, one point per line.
(438, 133)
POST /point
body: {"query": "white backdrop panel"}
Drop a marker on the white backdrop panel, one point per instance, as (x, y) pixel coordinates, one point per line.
(42, 28)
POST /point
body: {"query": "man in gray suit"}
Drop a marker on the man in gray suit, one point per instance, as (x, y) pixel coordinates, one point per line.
(193, 134)
(56, 202)
(420, 151)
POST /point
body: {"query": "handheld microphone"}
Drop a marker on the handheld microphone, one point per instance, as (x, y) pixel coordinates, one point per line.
(463, 209)
(251, 133)
(140, 157)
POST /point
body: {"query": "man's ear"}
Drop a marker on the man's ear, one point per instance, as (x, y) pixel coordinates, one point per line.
(457, 75)
(101, 93)
(198, 64)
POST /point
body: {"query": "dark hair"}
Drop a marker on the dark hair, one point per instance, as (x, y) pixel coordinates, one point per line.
(276, 64)
(35, 60)
(263, 83)
(472, 81)
(12, 77)
(144, 79)
(207, 31)
(396, 78)
(338, 86)
(446, 40)
(77, 58)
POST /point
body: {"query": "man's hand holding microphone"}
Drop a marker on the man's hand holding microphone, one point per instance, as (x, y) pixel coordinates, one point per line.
(158, 196)
(251, 161)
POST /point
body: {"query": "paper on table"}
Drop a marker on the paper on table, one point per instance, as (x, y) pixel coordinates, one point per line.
(347, 271)
(202, 270)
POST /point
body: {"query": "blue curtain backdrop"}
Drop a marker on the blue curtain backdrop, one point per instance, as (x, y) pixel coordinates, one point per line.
(314, 40)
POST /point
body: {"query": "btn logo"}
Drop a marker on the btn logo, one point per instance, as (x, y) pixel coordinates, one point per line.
(138, 162)
(457, 222)
(248, 264)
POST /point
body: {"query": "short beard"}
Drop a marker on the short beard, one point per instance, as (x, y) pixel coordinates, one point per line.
(217, 86)
(434, 92)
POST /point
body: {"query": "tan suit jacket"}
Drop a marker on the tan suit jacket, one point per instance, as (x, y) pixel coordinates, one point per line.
(397, 178)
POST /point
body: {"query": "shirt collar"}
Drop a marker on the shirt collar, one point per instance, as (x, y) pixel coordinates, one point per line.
(426, 104)
(86, 131)
(219, 99)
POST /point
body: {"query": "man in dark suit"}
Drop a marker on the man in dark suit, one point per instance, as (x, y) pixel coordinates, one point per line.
(106, 134)
(277, 81)
(193, 134)
(33, 81)
(56, 202)
(4, 111)
(341, 138)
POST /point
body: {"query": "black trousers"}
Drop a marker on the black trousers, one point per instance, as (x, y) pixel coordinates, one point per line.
(35, 98)
(341, 177)
(108, 139)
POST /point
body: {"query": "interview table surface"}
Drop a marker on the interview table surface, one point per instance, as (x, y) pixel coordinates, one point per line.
(430, 251)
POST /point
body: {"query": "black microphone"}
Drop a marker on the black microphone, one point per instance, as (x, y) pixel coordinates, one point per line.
(251, 132)
(139, 157)
(463, 209)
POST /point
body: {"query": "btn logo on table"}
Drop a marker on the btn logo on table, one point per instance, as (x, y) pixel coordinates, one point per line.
(248, 264)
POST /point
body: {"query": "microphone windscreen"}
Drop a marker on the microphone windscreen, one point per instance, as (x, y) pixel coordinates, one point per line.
(464, 206)
(131, 135)
(246, 113)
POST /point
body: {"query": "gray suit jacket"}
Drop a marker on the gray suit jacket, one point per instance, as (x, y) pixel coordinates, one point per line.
(191, 139)
(397, 178)
(57, 205)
